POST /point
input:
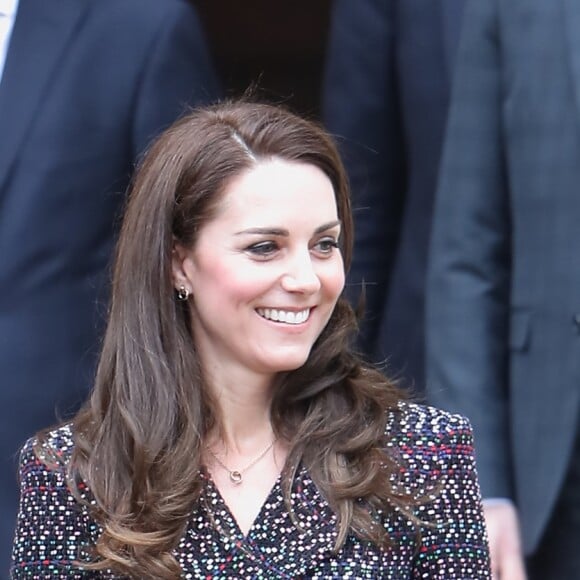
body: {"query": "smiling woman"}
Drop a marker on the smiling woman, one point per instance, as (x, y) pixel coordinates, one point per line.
(231, 431)
(264, 275)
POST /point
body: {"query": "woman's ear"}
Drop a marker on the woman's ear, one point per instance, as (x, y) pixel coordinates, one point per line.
(181, 267)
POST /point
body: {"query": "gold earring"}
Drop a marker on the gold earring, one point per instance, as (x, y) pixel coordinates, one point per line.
(183, 294)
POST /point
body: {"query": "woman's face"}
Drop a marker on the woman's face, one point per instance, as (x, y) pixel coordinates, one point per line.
(265, 273)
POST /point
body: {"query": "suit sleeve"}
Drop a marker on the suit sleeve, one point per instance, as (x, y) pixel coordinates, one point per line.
(360, 108)
(469, 273)
(49, 529)
(178, 74)
(453, 543)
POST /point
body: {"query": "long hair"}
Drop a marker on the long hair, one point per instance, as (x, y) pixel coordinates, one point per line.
(139, 438)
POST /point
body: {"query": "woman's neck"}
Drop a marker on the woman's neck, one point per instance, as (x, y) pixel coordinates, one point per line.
(244, 408)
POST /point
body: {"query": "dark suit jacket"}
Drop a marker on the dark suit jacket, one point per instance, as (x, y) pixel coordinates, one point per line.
(87, 83)
(504, 291)
(386, 95)
(436, 454)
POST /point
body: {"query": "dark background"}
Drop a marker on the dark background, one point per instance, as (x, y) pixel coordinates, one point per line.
(278, 46)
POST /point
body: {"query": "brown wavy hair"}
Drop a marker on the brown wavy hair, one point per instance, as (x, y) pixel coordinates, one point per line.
(139, 438)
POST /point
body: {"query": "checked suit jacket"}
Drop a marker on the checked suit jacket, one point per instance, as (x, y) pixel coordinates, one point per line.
(503, 312)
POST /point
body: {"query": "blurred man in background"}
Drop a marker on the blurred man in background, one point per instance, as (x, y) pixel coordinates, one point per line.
(503, 316)
(85, 85)
(386, 94)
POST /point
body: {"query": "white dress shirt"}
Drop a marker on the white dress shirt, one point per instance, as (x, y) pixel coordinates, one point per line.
(7, 15)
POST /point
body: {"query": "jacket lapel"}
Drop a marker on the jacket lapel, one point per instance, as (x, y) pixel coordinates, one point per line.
(40, 35)
(572, 24)
(306, 546)
(451, 18)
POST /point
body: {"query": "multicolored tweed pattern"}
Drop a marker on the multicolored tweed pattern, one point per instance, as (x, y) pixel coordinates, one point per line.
(436, 453)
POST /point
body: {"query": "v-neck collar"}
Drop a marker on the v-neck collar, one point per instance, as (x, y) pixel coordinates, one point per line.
(278, 544)
(273, 501)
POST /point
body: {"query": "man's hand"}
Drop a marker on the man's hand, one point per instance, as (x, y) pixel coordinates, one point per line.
(507, 560)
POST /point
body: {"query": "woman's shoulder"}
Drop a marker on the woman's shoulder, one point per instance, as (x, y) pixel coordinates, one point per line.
(429, 441)
(54, 442)
(45, 475)
(48, 453)
(412, 421)
(52, 525)
(434, 453)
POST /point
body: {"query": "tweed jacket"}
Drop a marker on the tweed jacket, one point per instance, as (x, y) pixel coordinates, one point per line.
(436, 457)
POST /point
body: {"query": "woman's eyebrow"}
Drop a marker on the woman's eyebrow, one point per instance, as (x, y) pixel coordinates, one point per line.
(265, 232)
(273, 231)
(327, 226)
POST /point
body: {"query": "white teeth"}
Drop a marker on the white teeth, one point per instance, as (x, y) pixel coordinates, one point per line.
(286, 316)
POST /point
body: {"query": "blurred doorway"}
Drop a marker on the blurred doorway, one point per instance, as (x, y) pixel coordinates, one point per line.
(277, 45)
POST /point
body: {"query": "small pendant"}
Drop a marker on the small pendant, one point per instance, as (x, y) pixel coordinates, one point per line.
(235, 477)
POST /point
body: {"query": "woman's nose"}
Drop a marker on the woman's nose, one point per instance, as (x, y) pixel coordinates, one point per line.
(301, 276)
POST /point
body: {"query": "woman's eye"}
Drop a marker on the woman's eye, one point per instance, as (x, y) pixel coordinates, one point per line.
(262, 249)
(326, 246)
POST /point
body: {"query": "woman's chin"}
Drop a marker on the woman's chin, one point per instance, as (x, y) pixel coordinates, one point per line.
(279, 364)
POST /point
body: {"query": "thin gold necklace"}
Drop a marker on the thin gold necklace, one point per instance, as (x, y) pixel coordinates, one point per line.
(237, 475)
